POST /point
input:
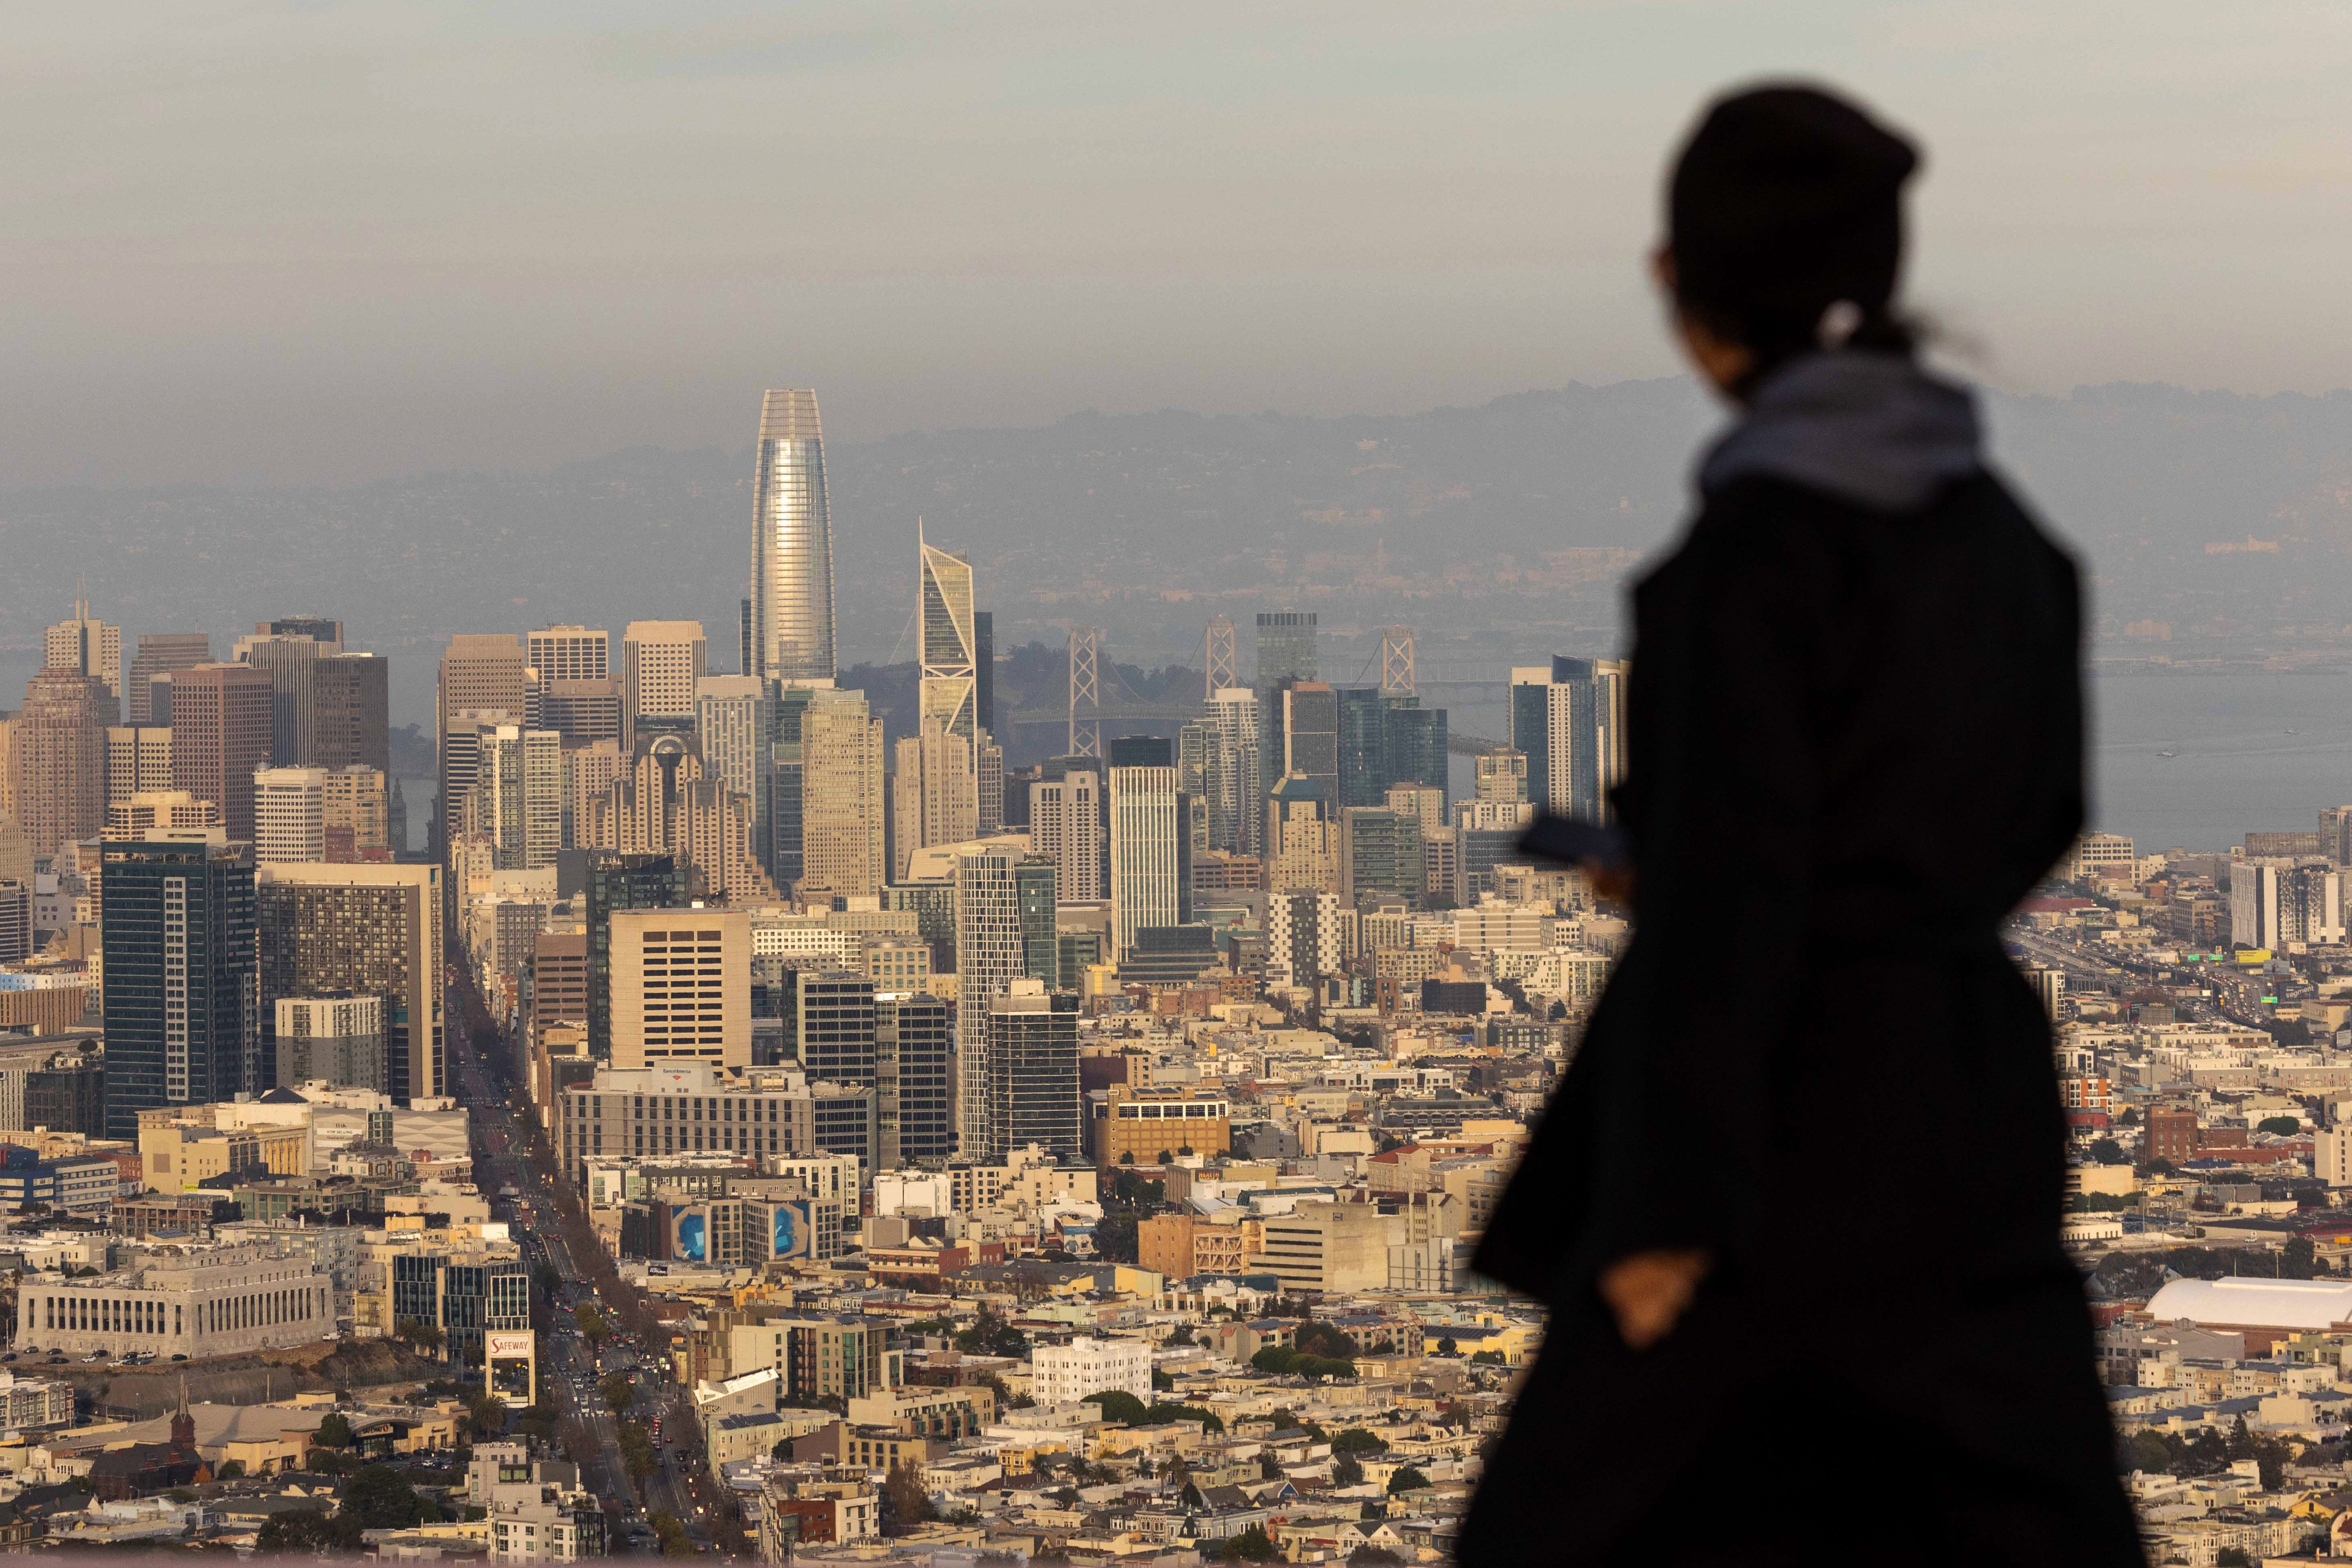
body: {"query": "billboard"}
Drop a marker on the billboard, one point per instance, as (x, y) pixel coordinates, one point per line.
(511, 1366)
(792, 1231)
(691, 1241)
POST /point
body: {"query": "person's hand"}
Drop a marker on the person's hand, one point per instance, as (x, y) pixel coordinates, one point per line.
(1649, 1291)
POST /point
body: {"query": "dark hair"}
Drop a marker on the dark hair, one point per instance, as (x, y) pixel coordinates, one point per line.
(1785, 218)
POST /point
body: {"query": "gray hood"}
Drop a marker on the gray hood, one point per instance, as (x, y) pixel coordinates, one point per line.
(1862, 425)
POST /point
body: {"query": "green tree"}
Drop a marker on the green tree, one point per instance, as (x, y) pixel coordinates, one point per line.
(2285, 1126)
(2241, 1441)
(1347, 1472)
(425, 1338)
(334, 1432)
(593, 1326)
(380, 1498)
(905, 1503)
(1373, 1555)
(545, 1276)
(636, 1450)
(620, 1392)
(670, 1533)
(1446, 1346)
(1118, 1405)
(1486, 1358)
(308, 1533)
(1251, 1546)
(1406, 1480)
(2233, 1557)
(2298, 1259)
(1161, 1382)
(1355, 1440)
(990, 1335)
(488, 1414)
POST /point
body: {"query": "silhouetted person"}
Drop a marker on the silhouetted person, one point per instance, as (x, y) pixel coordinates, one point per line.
(1796, 1207)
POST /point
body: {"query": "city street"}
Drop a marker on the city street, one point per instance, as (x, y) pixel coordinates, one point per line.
(569, 1377)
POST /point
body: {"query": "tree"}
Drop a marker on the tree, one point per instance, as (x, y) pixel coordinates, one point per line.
(1161, 1382)
(636, 1450)
(2108, 1152)
(1446, 1346)
(2285, 1126)
(1487, 1358)
(423, 1337)
(1323, 1340)
(487, 1413)
(1355, 1440)
(2298, 1259)
(905, 1503)
(1346, 1472)
(1370, 1554)
(990, 1335)
(308, 1533)
(620, 1393)
(2241, 1441)
(1251, 1546)
(670, 1533)
(1406, 1480)
(593, 1326)
(1118, 1405)
(2233, 1557)
(334, 1432)
(380, 1498)
(545, 1276)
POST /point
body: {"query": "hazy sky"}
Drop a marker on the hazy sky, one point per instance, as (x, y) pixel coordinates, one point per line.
(324, 242)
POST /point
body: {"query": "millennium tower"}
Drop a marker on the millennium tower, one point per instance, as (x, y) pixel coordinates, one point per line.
(791, 554)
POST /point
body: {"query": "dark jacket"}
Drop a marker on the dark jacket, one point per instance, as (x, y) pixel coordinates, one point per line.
(1854, 742)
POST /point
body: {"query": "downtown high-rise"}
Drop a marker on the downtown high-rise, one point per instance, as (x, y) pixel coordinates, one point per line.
(792, 551)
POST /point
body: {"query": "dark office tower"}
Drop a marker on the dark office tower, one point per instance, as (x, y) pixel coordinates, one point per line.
(220, 733)
(983, 667)
(1041, 954)
(791, 550)
(57, 759)
(743, 645)
(621, 882)
(395, 820)
(371, 931)
(1142, 751)
(351, 714)
(1310, 734)
(1031, 1073)
(834, 1024)
(1363, 746)
(71, 1098)
(1416, 743)
(1285, 647)
(159, 652)
(914, 1044)
(1380, 855)
(181, 998)
(317, 628)
(16, 918)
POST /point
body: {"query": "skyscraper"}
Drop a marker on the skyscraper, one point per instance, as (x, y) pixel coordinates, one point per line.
(570, 653)
(983, 668)
(290, 815)
(734, 722)
(1147, 883)
(661, 664)
(1031, 1079)
(840, 795)
(935, 798)
(1065, 817)
(1035, 883)
(989, 955)
(1285, 647)
(351, 713)
(1568, 719)
(159, 652)
(1234, 774)
(220, 734)
(791, 551)
(291, 661)
(56, 759)
(1310, 735)
(617, 882)
(482, 678)
(681, 987)
(833, 1020)
(948, 648)
(914, 1047)
(516, 801)
(138, 760)
(87, 646)
(182, 992)
(369, 930)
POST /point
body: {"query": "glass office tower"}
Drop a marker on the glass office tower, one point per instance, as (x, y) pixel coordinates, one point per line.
(792, 555)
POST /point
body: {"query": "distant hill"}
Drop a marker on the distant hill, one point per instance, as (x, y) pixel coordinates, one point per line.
(2213, 523)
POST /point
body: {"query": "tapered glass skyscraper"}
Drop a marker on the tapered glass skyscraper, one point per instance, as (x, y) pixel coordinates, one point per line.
(792, 556)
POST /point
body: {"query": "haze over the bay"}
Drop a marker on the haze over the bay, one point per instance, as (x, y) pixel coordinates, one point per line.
(279, 244)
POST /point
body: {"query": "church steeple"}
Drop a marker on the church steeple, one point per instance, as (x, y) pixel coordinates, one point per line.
(184, 1424)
